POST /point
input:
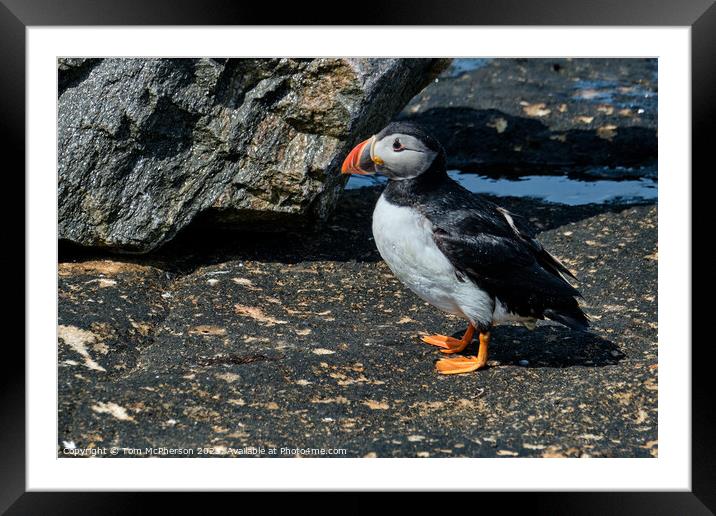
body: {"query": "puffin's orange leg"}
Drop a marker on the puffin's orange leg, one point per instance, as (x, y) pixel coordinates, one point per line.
(466, 364)
(450, 344)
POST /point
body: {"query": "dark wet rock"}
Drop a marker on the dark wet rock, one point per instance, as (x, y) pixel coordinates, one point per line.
(307, 340)
(147, 144)
(71, 71)
(518, 116)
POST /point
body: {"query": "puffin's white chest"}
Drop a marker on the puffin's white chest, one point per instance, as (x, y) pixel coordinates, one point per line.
(405, 241)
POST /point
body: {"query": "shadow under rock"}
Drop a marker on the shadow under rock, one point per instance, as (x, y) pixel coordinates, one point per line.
(496, 143)
(345, 236)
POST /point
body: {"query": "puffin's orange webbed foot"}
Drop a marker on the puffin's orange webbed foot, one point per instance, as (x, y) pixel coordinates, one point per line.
(459, 365)
(450, 344)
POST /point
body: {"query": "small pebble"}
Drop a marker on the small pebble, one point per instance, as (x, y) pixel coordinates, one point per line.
(212, 281)
(524, 363)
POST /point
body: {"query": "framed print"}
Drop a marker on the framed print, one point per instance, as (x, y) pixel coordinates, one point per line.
(448, 249)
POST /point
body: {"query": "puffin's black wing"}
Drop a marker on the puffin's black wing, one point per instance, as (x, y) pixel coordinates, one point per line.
(497, 250)
(527, 233)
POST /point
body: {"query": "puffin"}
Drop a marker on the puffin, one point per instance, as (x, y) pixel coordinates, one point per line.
(458, 251)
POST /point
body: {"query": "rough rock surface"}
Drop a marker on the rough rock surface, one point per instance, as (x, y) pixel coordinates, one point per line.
(518, 116)
(308, 341)
(147, 144)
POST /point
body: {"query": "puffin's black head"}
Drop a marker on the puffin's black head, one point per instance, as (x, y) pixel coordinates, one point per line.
(400, 151)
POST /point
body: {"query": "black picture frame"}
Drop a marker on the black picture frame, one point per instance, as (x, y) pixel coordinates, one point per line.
(17, 15)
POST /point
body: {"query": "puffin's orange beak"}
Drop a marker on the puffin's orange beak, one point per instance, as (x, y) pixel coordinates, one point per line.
(359, 160)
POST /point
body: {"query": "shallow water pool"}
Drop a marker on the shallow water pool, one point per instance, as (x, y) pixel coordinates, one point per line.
(557, 189)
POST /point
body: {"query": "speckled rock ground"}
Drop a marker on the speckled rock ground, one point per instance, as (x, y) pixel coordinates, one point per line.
(595, 117)
(224, 341)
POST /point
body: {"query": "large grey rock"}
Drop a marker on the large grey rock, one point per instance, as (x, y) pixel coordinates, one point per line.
(145, 145)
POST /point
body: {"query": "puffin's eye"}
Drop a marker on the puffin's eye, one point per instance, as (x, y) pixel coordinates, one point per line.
(397, 146)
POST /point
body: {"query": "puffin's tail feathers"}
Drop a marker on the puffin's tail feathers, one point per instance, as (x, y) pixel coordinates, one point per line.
(573, 318)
